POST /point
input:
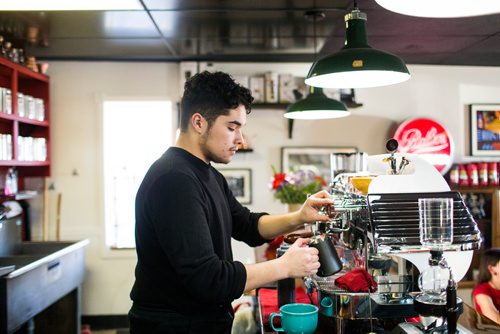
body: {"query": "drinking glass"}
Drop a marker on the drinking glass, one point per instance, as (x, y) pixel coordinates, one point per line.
(436, 222)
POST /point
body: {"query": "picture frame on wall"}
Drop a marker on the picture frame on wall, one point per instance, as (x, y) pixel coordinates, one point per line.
(318, 156)
(485, 129)
(239, 181)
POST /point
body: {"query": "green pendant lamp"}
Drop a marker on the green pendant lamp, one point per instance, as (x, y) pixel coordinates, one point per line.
(441, 8)
(316, 105)
(357, 64)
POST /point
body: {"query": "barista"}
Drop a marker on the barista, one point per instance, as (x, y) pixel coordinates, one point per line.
(186, 215)
(487, 293)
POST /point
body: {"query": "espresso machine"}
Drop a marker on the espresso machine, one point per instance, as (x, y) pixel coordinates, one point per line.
(377, 228)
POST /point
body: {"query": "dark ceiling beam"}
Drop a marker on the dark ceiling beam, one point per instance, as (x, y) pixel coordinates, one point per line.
(163, 38)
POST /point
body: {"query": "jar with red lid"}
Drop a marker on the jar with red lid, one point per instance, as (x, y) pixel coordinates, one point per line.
(463, 176)
(473, 174)
(492, 174)
(483, 173)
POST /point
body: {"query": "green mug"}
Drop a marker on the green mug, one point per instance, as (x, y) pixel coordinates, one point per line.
(296, 319)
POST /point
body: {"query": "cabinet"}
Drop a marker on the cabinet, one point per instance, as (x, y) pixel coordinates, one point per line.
(484, 205)
(24, 121)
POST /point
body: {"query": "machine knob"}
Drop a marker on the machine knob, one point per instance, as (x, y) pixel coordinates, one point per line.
(392, 145)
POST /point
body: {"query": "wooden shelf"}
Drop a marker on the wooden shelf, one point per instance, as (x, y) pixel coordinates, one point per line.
(15, 163)
(36, 144)
(490, 226)
(23, 71)
(282, 106)
(24, 120)
(478, 189)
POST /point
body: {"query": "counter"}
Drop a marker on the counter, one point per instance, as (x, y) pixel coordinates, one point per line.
(469, 322)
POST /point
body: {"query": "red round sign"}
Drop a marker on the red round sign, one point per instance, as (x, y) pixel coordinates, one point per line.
(428, 139)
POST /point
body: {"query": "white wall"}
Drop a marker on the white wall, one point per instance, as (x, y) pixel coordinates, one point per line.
(437, 92)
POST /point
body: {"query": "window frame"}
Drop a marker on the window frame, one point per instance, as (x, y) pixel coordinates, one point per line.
(108, 251)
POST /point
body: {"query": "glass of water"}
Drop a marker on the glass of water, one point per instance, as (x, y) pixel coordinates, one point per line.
(436, 222)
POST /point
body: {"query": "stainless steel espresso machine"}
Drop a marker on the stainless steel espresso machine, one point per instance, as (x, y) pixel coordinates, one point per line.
(378, 227)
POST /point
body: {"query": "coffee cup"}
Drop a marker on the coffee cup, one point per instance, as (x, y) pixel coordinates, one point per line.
(296, 318)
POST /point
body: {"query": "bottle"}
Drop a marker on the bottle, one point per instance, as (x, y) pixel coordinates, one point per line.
(473, 174)
(492, 174)
(20, 53)
(454, 176)
(3, 51)
(464, 178)
(8, 50)
(483, 173)
(10, 188)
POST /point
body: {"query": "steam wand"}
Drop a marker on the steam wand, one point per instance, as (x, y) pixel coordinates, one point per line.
(392, 145)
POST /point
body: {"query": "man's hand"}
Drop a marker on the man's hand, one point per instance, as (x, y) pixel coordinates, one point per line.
(300, 260)
(309, 212)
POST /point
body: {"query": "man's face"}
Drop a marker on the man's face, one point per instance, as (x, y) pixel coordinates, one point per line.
(220, 142)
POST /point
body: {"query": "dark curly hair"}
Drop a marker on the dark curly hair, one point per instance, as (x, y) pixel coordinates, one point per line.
(212, 94)
(488, 257)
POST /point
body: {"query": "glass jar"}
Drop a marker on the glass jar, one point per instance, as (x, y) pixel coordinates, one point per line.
(434, 279)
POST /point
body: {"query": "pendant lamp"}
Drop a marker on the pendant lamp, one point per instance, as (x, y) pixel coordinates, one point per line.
(441, 8)
(316, 105)
(357, 64)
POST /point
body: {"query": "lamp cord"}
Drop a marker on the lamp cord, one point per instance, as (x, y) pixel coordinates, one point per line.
(314, 35)
(314, 31)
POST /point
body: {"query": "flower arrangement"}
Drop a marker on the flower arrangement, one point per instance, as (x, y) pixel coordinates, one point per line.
(294, 186)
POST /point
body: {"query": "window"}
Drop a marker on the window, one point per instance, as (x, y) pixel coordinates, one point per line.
(135, 134)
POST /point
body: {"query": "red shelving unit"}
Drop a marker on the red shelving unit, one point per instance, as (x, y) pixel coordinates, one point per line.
(20, 79)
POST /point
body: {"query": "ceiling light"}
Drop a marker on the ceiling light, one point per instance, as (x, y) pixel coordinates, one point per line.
(357, 64)
(47, 5)
(316, 106)
(441, 8)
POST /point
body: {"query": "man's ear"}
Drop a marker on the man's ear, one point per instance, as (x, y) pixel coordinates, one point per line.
(198, 122)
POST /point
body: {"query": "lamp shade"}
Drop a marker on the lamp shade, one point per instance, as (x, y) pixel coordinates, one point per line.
(441, 8)
(357, 64)
(316, 106)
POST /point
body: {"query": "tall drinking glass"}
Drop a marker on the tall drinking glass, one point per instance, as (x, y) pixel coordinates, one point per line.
(436, 222)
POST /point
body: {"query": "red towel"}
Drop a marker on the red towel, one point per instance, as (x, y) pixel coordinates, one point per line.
(357, 280)
(268, 299)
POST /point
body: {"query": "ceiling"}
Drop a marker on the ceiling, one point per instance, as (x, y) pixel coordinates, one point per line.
(250, 30)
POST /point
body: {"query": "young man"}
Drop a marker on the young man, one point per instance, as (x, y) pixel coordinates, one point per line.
(186, 215)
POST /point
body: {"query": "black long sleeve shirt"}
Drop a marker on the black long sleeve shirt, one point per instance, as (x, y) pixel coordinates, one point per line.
(185, 218)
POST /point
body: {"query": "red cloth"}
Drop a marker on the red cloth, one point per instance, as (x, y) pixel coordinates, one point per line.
(268, 299)
(357, 280)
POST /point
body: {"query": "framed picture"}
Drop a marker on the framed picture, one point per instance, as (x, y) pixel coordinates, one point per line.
(485, 129)
(319, 157)
(240, 183)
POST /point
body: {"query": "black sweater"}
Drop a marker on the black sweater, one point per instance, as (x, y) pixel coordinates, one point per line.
(185, 218)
